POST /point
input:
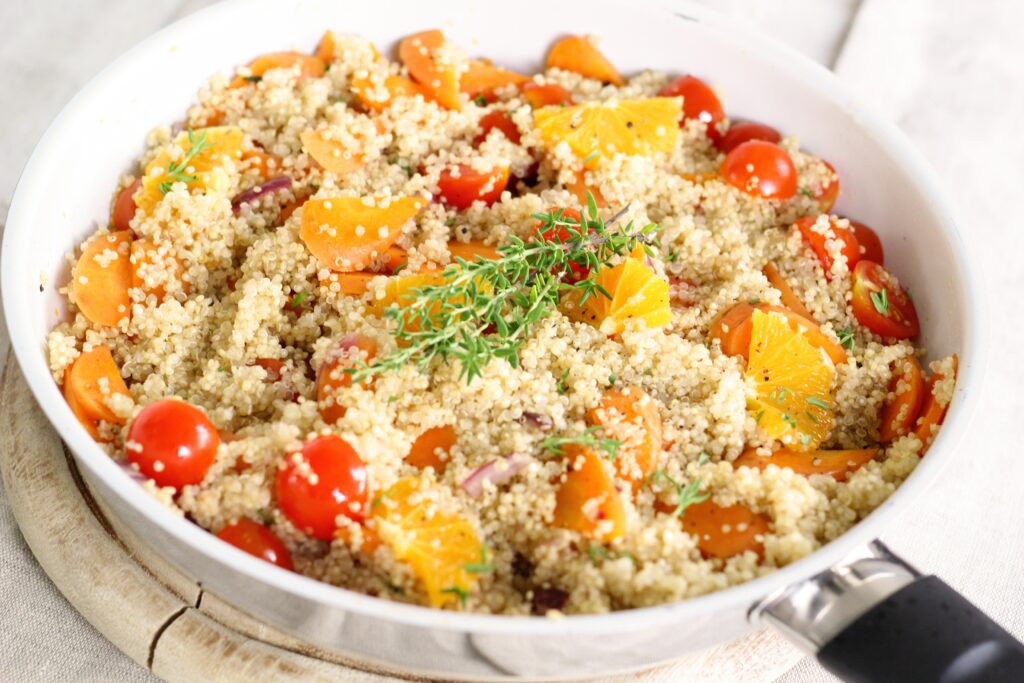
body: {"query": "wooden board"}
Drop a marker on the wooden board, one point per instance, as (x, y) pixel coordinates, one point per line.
(163, 620)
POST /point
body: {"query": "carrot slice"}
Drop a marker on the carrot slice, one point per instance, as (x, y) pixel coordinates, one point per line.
(345, 233)
(332, 376)
(472, 251)
(430, 449)
(724, 532)
(483, 78)
(631, 416)
(900, 413)
(377, 96)
(934, 410)
(101, 279)
(419, 53)
(260, 162)
(354, 284)
(789, 298)
(309, 66)
(91, 378)
(580, 188)
(578, 54)
(733, 327)
(838, 464)
(334, 156)
(325, 48)
(145, 258)
(587, 501)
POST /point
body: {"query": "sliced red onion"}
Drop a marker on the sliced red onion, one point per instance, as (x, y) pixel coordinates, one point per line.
(497, 472)
(541, 422)
(132, 473)
(253, 193)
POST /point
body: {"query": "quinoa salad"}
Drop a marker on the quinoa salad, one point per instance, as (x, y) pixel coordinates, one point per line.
(429, 329)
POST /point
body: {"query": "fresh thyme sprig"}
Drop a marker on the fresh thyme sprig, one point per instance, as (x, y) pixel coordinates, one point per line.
(589, 438)
(686, 494)
(176, 170)
(484, 309)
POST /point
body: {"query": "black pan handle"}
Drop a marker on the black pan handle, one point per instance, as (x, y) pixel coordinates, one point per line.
(875, 619)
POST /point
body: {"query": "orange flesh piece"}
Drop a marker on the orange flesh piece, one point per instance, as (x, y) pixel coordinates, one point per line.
(101, 287)
(419, 54)
(637, 293)
(332, 377)
(370, 541)
(345, 234)
(587, 501)
(733, 327)
(83, 381)
(430, 449)
(579, 189)
(309, 66)
(260, 162)
(355, 284)
(708, 521)
(472, 251)
(900, 413)
(332, 155)
(483, 78)
(378, 98)
(578, 54)
(631, 416)
(789, 298)
(837, 464)
(325, 49)
(933, 412)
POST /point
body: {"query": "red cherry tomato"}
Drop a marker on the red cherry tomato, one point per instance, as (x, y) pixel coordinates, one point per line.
(172, 442)
(124, 206)
(503, 122)
(462, 186)
(699, 102)
(564, 233)
(760, 168)
(870, 244)
(258, 541)
(881, 304)
(850, 247)
(325, 479)
(828, 194)
(333, 377)
(547, 95)
(745, 131)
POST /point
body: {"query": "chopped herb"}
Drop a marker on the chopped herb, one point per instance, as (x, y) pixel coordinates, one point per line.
(327, 67)
(483, 566)
(648, 372)
(612, 378)
(805, 439)
(298, 299)
(880, 300)
(556, 444)
(395, 588)
(686, 495)
(222, 368)
(703, 458)
(379, 498)
(393, 399)
(399, 268)
(760, 414)
(563, 388)
(462, 593)
(754, 301)
(450, 222)
(788, 419)
(599, 552)
(779, 395)
(671, 256)
(252, 79)
(846, 338)
(264, 516)
(590, 157)
(810, 415)
(818, 403)
(480, 101)
(176, 170)
(805, 192)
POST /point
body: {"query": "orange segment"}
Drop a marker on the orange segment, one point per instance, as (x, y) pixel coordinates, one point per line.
(91, 378)
(733, 327)
(333, 155)
(147, 262)
(724, 532)
(101, 278)
(482, 78)
(631, 416)
(789, 298)
(425, 57)
(837, 464)
(430, 449)
(637, 293)
(579, 189)
(345, 233)
(400, 290)
(633, 127)
(587, 501)
(578, 54)
(310, 66)
(791, 381)
(428, 532)
(212, 152)
(377, 94)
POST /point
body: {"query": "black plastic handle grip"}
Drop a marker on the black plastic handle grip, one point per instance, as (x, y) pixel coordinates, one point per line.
(925, 632)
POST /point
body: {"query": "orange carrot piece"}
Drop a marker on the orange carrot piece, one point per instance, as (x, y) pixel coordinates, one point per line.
(101, 278)
(933, 412)
(724, 532)
(378, 97)
(354, 284)
(332, 376)
(332, 155)
(587, 501)
(263, 164)
(579, 189)
(547, 95)
(472, 251)
(87, 382)
(631, 416)
(430, 449)
(483, 78)
(419, 54)
(309, 66)
(789, 298)
(578, 54)
(838, 464)
(733, 327)
(900, 413)
(345, 233)
(325, 48)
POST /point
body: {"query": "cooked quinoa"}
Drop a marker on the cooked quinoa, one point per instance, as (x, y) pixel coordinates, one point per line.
(228, 287)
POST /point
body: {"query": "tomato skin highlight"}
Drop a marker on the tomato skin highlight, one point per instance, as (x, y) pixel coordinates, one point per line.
(258, 541)
(899, 320)
(124, 206)
(850, 248)
(340, 486)
(176, 442)
(901, 412)
(767, 164)
(562, 233)
(460, 189)
(746, 131)
(869, 241)
(699, 102)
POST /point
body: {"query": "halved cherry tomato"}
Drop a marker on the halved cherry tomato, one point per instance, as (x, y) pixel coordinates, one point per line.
(745, 131)
(325, 479)
(172, 442)
(933, 412)
(564, 233)
(462, 186)
(837, 464)
(870, 244)
(850, 247)
(503, 122)
(734, 326)
(258, 541)
(881, 304)
(124, 206)
(829, 193)
(699, 102)
(761, 169)
(547, 95)
(723, 532)
(333, 377)
(899, 414)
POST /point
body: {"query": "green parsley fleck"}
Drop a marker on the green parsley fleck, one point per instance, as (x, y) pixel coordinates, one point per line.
(805, 192)
(480, 101)
(563, 387)
(483, 566)
(264, 516)
(846, 339)
(556, 444)
(298, 299)
(818, 403)
(788, 419)
(880, 300)
(458, 591)
(176, 170)
(252, 79)
(760, 414)
(612, 379)
(450, 222)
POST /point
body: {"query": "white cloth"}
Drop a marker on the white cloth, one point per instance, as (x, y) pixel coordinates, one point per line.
(948, 72)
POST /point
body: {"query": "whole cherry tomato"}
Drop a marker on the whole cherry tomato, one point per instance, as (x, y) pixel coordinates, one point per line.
(258, 541)
(762, 169)
(881, 304)
(172, 442)
(745, 131)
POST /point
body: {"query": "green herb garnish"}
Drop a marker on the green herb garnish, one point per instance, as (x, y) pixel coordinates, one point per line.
(880, 300)
(686, 494)
(176, 170)
(298, 299)
(589, 438)
(818, 403)
(805, 192)
(458, 591)
(590, 157)
(252, 79)
(483, 566)
(480, 101)
(846, 339)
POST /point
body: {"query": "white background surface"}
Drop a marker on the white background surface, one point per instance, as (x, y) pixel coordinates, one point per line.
(950, 73)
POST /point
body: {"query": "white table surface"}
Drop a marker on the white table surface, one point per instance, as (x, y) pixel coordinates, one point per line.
(950, 73)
